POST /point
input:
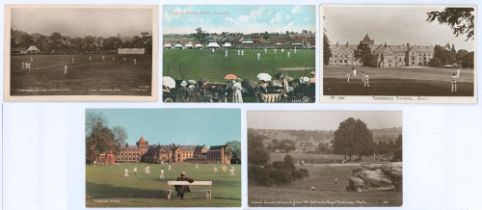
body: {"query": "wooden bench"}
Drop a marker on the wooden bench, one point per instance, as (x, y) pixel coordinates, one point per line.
(195, 183)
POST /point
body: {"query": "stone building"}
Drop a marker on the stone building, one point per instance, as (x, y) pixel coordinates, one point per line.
(388, 56)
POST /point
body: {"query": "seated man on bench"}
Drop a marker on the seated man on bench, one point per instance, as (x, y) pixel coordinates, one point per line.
(181, 189)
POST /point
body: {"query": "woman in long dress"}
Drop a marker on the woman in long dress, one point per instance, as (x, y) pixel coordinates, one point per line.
(237, 95)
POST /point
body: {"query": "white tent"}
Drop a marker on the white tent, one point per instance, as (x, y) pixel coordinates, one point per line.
(178, 46)
(198, 46)
(188, 45)
(167, 45)
(227, 45)
(213, 45)
(32, 49)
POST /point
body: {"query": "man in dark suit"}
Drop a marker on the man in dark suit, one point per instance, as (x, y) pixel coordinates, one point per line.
(181, 189)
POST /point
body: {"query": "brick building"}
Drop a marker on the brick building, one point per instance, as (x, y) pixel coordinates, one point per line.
(143, 152)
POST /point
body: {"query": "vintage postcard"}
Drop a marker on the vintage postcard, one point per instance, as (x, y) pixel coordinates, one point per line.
(239, 53)
(325, 158)
(163, 157)
(398, 54)
(80, 53)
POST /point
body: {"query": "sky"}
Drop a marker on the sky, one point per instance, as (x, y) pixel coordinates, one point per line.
(393, 25)
(180, 126)
(183, 19)
(77, 22)
(321, 120)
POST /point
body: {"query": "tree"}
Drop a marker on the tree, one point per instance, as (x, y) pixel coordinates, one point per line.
(460, 20)
(326, 50)
(201, 36)
(353, 137)
(323, 147)
(120, 135)
(442, 56)
(257, 153)
(468, 60)
(235, 149)
(364, 53)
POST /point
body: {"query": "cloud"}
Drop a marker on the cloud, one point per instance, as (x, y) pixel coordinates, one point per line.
(289, 26)
(277, 18)
(296, 10)
(256, 12)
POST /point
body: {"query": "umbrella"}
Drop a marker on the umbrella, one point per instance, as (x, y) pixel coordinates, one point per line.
(168, 82)
(304, 80)
(264, 77)
(191, 81)
(230, 77)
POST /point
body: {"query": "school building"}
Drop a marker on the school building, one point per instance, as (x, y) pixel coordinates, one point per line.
(388, 56)
(172, 153)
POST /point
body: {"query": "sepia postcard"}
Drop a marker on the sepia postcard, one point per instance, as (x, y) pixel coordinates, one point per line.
(163, 157)
(239, 53)
(325, 158)
(80, 53)
(398, 54)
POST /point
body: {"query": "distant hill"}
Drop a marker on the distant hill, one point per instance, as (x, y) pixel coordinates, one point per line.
(295, 135)
(324, 136)
(386, 134)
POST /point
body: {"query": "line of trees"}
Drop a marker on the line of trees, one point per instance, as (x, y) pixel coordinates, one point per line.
(448, 56)
(100, 138)
(59, 43)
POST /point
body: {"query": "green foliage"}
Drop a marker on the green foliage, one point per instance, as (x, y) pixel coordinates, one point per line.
(57, 42)
(257, 153)
(235, 148)
(201, 36)
(442, 56)
(460, 20)
(353, 137)
(465, 59)
(364, 53)
(100, 138)
(278, 173)
(326, 50)
(324, 147)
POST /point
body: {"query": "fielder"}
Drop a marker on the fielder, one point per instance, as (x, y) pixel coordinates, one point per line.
(162, 174)
(354, 72)
(66, 68)
(135, 170)
(366, 80)
(147, 170)
(126, 172)
(453, 83)
(231, 171)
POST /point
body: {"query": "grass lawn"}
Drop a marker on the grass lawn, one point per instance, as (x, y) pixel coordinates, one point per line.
(327, 193)
(424, 81)
(107, 187)
(196, 64)
(84, 77)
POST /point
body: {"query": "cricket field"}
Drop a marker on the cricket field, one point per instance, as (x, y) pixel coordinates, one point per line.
(106, 186)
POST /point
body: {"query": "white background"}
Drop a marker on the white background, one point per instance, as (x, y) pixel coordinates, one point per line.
(43, 144)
